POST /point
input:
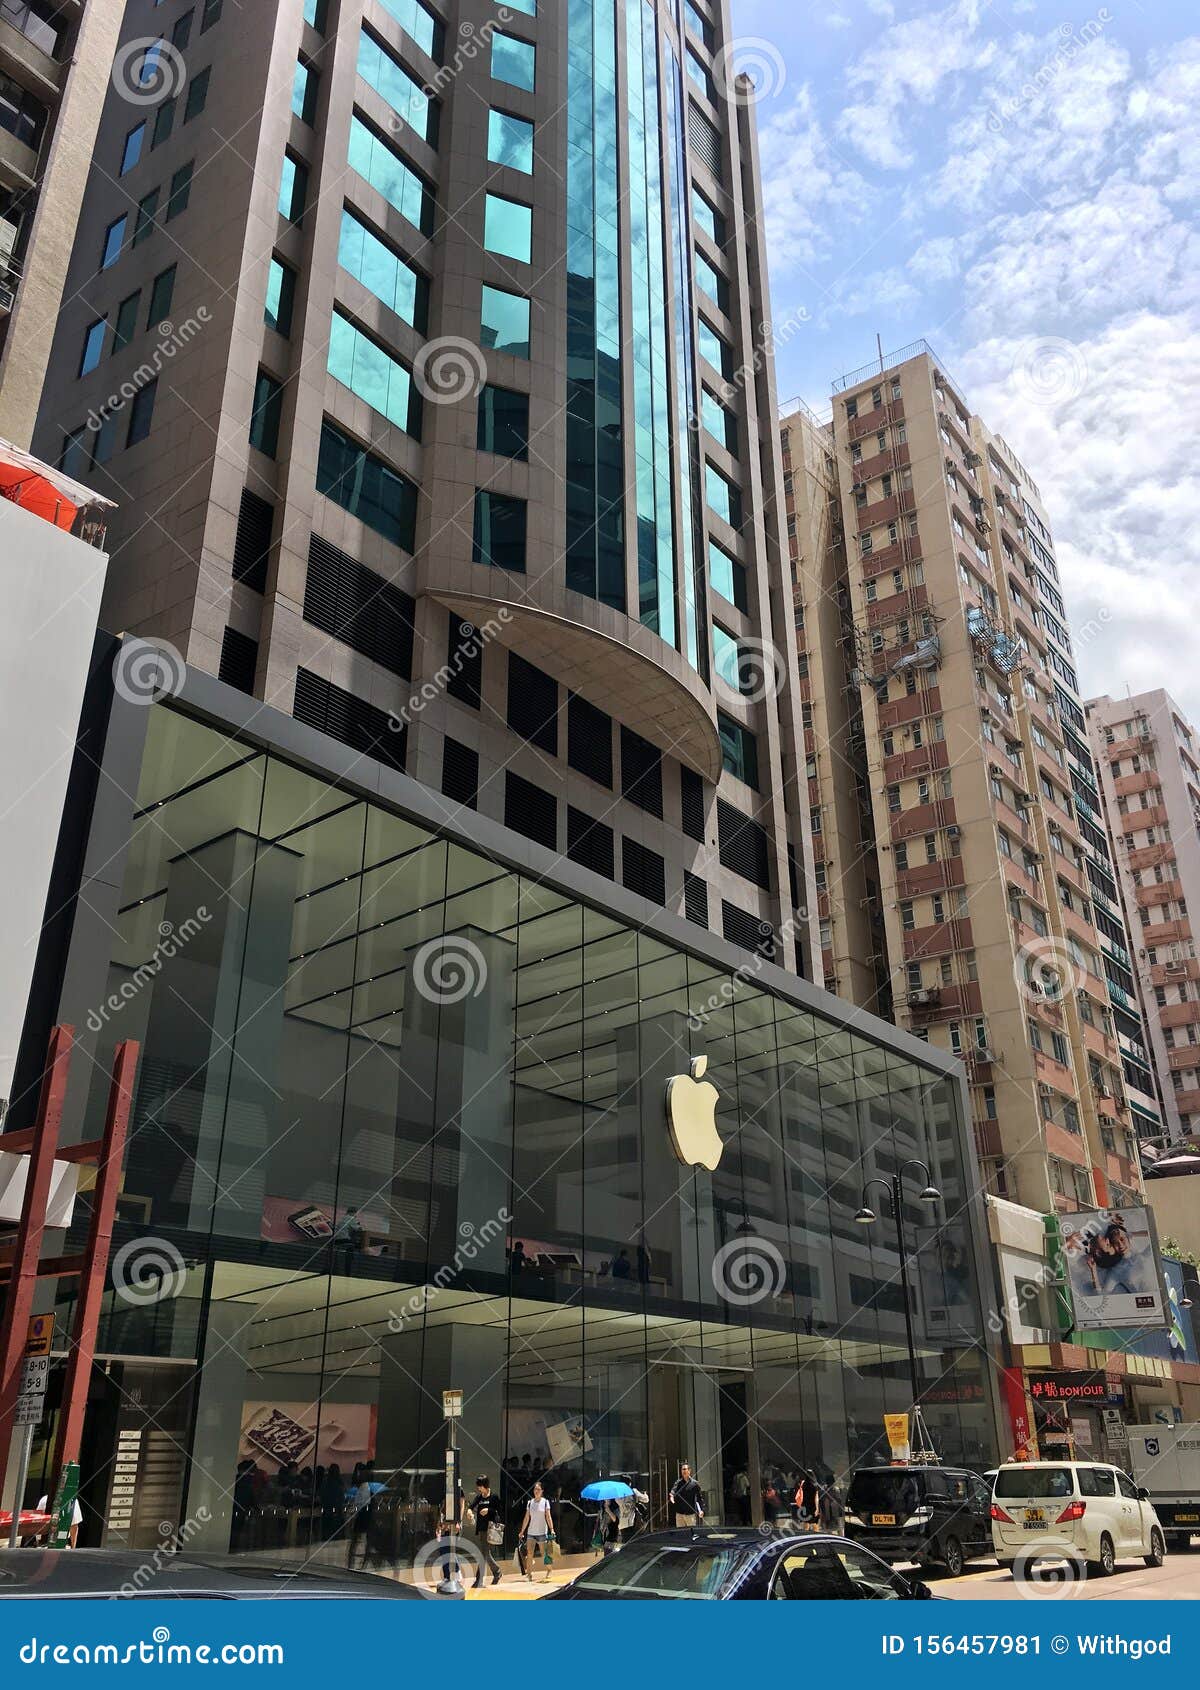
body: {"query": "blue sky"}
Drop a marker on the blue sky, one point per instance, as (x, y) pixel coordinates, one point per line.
(1017, 183)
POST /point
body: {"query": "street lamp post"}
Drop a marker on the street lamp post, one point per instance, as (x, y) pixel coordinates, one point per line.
(866, 1216)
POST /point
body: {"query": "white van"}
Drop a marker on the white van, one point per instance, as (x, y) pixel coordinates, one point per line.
(1081, 1510)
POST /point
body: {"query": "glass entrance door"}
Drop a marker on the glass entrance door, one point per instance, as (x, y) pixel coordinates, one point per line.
(702, 1416)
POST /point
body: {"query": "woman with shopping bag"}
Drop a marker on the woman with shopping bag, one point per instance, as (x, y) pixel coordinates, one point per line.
(536, 1541)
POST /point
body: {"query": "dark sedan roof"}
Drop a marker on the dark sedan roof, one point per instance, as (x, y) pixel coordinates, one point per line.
(127, 1572)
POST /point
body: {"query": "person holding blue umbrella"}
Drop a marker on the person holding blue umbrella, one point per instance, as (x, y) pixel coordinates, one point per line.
(609, 1493)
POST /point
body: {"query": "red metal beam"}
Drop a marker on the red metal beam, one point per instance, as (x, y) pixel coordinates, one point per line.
(94, 1268)
(18, 1306)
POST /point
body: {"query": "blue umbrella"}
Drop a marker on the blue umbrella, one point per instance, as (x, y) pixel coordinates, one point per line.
(605, 1490)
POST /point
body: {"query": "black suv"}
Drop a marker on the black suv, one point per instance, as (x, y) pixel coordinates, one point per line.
(934, 1515)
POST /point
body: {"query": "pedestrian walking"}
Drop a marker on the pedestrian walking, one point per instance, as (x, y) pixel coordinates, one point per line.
(610, 1527)
(489, 1529)
(741, 1496)
(536, 1533)
(687, 1499)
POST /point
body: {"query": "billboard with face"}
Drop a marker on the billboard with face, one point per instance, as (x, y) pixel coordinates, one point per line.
(1113, 1268)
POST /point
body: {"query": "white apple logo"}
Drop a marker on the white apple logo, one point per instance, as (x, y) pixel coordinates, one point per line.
(692, 1117)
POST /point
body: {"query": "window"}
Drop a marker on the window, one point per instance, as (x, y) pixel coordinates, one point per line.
(141, 413)
(305, 82)
(267, 414)
(93, 345)
(727, 577)
(181, 190)
(37, 22)
(504, 322)
(132, 149)
(366, 487)
(293, 188)
(164, 122)
(143, 227)
(281, 297)
(197, 94)
(114, 237)
(181, 33)
(723, 497)
(383, 272)
(419, 22)
(20, 114)
(411, 103)
(380, 165)
(739, 750)
(510, 142)
(714, 349)
(126, 323)
(379, 379)
(708, 220)
(513, 61)
(719, 422)
(503, 426)
(161, 295)
(508, 228)
(499, 531)
(727, 659)
(210, 15)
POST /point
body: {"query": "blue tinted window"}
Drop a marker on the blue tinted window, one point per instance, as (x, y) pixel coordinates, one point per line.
(504, 322)
(315, 12)
(726, 657)
(304, 91)
(739, 750)
(383, 271)
(723, 498)
(510, 142)
(706, 219)
(367, 487)
(728, 577)
(719, 422)
(267, 414)
(388, 174)
(114, 235)
(293, 188)
(698, 24)
(405, 95)
(699, 75)
(714, 349)
(529, 7)
(513, 61)
(503, 423)
(133, 148)
(281, 297)
(417, 21)
(507, 228)
(710, 280)
(93, 345)
(499, 535)
(380, 380)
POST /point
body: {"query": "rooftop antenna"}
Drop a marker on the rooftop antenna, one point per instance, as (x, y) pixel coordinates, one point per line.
(879, 346)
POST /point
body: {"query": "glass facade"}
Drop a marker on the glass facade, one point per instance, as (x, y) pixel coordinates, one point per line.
(594, 423)
(411, 104)
(387, 275)
(400, 1113)
(382, 381)
(388, 174)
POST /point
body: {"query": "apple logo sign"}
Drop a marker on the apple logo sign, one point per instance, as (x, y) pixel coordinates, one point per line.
(692, 1117)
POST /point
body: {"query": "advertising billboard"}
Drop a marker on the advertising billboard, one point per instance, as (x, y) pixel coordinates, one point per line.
(1113, 1268)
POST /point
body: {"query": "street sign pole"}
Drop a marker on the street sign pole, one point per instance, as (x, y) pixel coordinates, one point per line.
(26, 1445)
(452, 1402)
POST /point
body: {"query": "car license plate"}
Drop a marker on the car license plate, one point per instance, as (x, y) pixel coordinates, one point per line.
(1035, 1517)
(1035, 1525)
(1187, 1516)
(883, 1519)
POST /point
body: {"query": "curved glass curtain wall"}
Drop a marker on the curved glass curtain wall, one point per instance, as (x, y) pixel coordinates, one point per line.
(595, 453)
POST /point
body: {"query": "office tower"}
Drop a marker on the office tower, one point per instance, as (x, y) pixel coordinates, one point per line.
(418, 345)
(54, 72)
(999, 923)
(1149, 766)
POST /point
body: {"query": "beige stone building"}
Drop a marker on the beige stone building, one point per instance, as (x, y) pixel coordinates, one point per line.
(55, 61)
(1148, 756)
(417, 338)
(978, 891)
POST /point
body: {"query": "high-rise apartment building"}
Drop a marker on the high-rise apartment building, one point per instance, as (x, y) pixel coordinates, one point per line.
(54, 71)
(417, 341)
(1148, 756)
(960, 852)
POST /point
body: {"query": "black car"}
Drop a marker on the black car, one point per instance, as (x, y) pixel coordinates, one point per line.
(117, 1573)
(931, 1515)
(711, 1565)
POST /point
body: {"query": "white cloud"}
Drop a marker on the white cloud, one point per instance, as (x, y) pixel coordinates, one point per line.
(810, 194)
(1121, 486)
(906, 67)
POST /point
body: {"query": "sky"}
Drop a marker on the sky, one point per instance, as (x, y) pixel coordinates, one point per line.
(1015, 182)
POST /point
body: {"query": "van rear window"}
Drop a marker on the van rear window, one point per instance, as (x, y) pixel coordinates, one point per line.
(1035, 1481)
(888, 1490)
